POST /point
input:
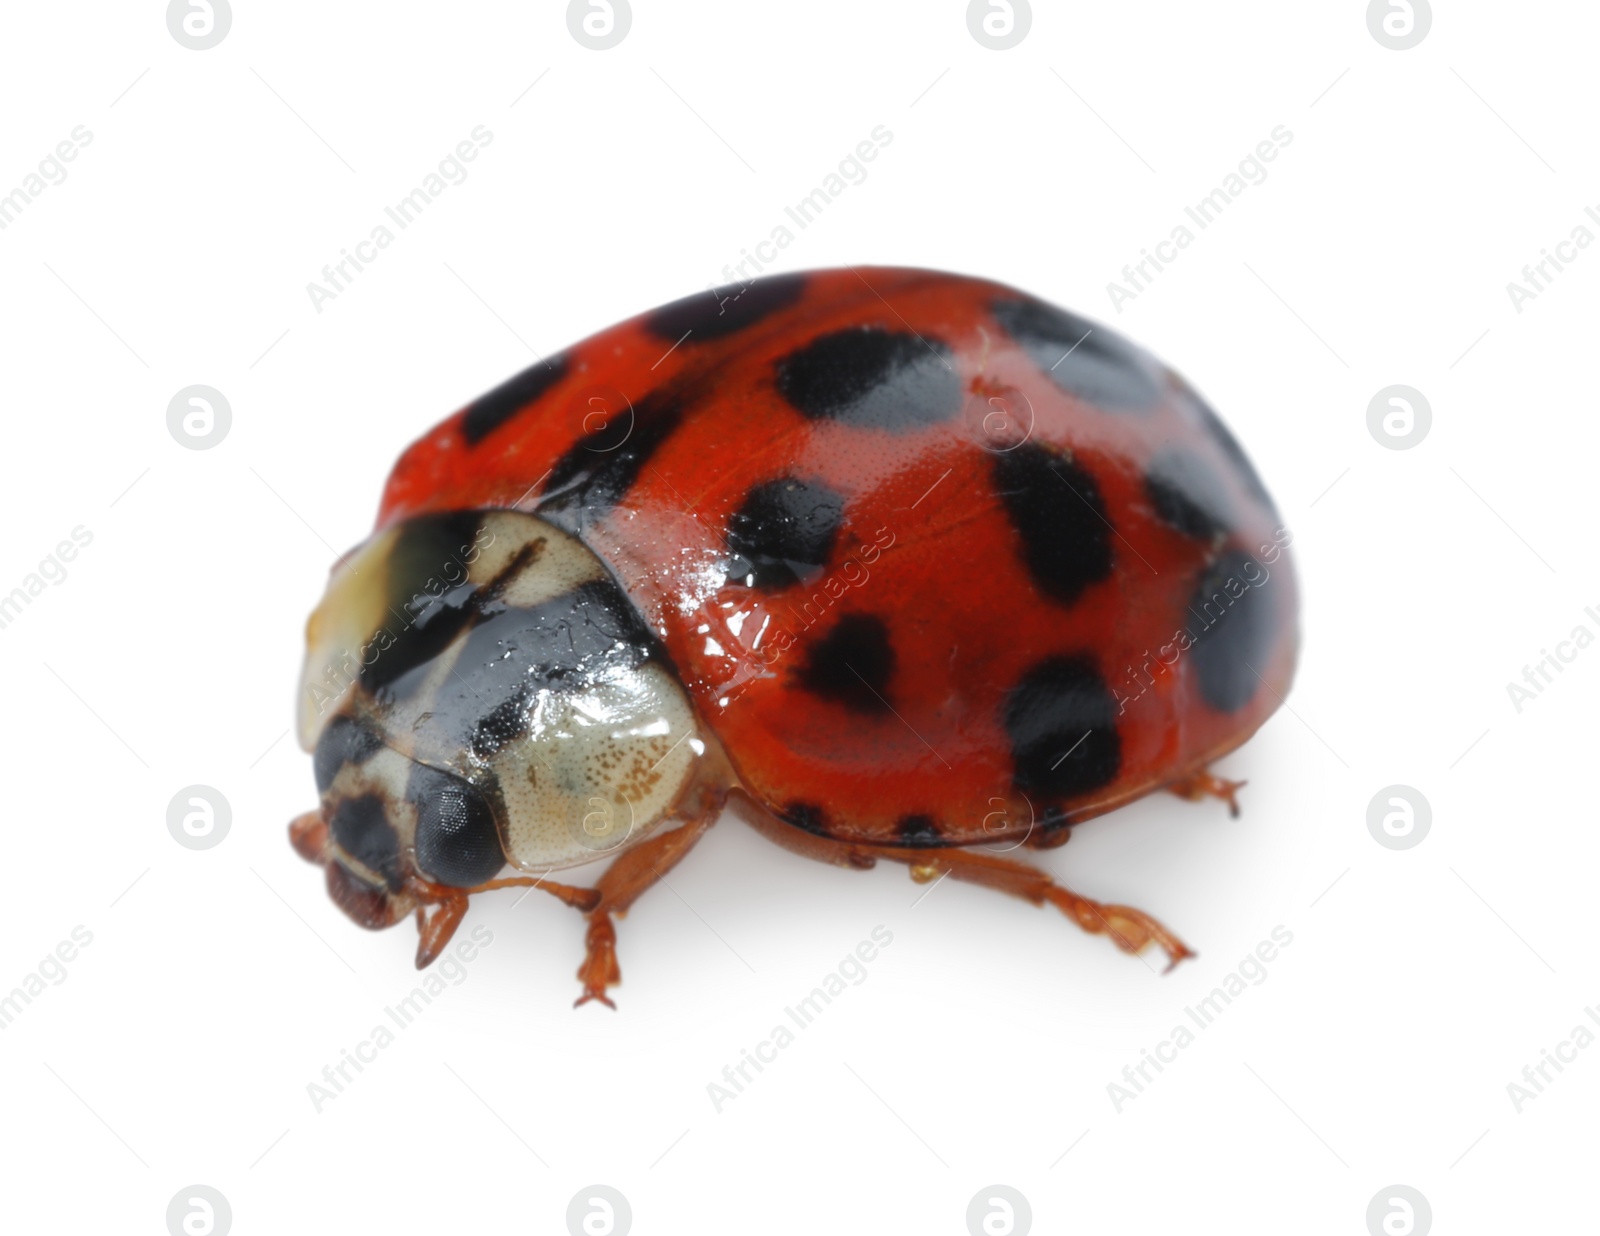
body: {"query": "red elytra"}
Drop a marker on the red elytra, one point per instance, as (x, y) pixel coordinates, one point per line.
(937, 564)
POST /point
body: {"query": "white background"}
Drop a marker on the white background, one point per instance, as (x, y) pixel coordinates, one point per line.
(979, 1049)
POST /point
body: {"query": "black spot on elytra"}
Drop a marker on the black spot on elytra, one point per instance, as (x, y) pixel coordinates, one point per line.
(851, 665)
(457, 841)
(599, 469)
(1056, 508)
(489, 411)
(1086, 360)
(345, 741)
(783, 532)
(719, 312)
(1233, 622)
(429, 601)
(1061, 720)
(917, 831)
(1052, 828)
(1187, 494)
(805, 817)
(362, 829)
(1229, 445)
(872, 379)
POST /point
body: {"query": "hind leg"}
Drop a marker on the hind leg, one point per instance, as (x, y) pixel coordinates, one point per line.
(1204, 784)
(1130, 930)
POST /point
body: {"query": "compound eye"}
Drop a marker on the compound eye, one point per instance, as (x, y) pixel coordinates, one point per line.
(343, 742)
(458, 843)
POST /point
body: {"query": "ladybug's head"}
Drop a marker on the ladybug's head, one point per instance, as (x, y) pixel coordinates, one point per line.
(479, 691)
(392, 832)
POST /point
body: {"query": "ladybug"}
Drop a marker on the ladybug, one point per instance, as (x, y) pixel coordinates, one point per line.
(916, 566)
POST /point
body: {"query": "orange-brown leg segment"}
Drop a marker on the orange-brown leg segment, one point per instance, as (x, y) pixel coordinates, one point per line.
(1131, 930)
(1204, 784)
(434, 932)
(568, 894)
(309, 835)
(630, 874)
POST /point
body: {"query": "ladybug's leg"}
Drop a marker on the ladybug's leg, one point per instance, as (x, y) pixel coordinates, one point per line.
(1204, 784)
(630, 874)
(434, 933)
(567, 894)
(1131, 930)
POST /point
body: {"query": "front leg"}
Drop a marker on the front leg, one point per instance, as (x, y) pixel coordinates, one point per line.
(633, 871)
(434, 932)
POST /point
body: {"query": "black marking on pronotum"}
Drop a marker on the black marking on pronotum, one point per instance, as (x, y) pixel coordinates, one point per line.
(429, 600)
(783, 532)
(345, 741)
(527, 554)
(493, 409)
(719, 312)
(852, 665)
(511, 653)
(1232, 617)
(398, 669)
(602, 466)
(1088, 361)
(872, 379)
(501, 725)
(1055, 506)
(362, 830)
(1061, 720)
(1187, 494)
(574, 637)
(457, 841)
